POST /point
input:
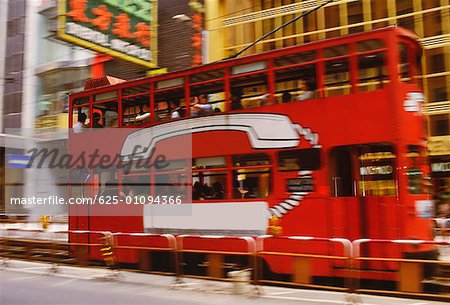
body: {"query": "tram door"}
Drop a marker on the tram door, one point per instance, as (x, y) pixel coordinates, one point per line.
(349, 217)
(363, 189)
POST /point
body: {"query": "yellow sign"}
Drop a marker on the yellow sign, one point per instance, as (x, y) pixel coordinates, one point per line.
(52, 121)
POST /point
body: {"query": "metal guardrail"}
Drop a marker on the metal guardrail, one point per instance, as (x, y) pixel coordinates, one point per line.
(52, 245)
(84, 245)
(215, 247)
(127, 245)
(409, 271)
(301, 271)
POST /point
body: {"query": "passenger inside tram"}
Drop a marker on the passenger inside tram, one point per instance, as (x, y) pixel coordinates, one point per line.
(175, 110)
(96, 120)
(306, 90)
(201, 106)
(236, 97)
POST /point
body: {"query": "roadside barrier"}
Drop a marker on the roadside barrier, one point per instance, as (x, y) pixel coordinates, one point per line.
(51, 246)
(21, 243)
(217, 249)
(304, 259)
(303, 250)
(410, 274)
(138, 248)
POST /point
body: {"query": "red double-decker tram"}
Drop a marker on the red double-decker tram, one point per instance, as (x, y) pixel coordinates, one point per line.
(328, 137)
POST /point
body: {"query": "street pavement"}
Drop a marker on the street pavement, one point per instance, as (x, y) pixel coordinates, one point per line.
(29, 283)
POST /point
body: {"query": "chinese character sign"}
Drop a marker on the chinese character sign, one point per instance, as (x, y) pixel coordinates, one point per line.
(197, 39)
(121, 28)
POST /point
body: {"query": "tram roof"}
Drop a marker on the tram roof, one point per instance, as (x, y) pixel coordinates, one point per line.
(241, 60)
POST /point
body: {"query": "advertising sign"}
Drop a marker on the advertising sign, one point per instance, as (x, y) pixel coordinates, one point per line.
(120, 28)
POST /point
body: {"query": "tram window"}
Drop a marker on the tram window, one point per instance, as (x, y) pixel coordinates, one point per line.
(292, 80)
(136, 110)
(404, 65)
(171, 185)
(301, 159)
(377, 171)
(372, 74)
(105, 183)
(293, 59)
(251, 67)
(136, 187)
(251, 183)
(105, 96)
(174, 165)
(205, 76)
(162, 111)
(419, 181)
(77, 111)
(106, 114)
(214, 92)
(369, 45)
(251, 160)
(110, 118)
(209, 185)
(337, 81)
(213, 162)
(336, 51)
(136, 90)
(174, 82)
(163, 103)
(363, 170)
(79, 182)
(252, 89)
(81, 101)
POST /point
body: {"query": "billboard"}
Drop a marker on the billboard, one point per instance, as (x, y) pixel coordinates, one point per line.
(120, 28)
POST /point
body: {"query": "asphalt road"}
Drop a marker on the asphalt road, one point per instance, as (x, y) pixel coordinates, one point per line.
(25, 283)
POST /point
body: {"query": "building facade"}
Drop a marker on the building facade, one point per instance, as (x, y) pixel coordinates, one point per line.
(232, 24)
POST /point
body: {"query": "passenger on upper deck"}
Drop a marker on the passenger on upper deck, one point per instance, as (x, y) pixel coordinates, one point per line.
(142, 117)
(218, 192)
(307, 89)
(202, 106)
(197, 191)
(96, 120)
(176, 110)
(80, 125)
(236, 100)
